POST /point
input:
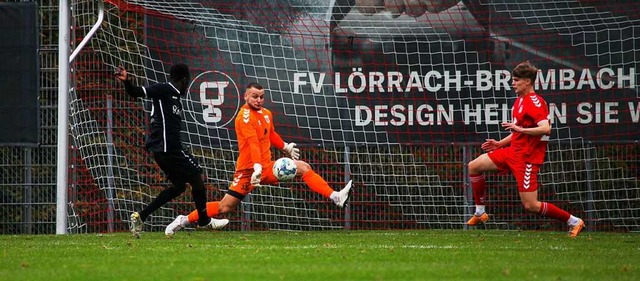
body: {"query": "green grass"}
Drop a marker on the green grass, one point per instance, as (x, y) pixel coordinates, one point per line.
(330, 255)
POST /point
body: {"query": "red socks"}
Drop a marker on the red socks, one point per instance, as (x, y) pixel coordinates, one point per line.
(551, 211)
(479, 186)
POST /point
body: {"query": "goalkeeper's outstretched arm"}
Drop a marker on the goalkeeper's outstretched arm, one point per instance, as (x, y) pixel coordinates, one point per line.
(289, 148)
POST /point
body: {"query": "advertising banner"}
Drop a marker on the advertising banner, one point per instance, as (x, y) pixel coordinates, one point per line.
(352, 75)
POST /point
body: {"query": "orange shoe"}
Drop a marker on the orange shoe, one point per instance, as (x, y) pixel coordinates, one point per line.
(575, 229)
(475, 219)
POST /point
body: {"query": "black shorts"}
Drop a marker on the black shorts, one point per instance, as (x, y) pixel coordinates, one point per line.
(177, 165)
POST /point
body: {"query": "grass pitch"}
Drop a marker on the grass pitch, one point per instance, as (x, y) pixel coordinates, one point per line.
(327, 255)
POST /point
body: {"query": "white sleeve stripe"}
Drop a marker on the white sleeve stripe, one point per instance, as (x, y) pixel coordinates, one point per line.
(145, 91)
(164, 128)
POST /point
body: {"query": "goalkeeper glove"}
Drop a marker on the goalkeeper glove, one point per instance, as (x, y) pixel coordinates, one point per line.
(293, 151)
(257, 174)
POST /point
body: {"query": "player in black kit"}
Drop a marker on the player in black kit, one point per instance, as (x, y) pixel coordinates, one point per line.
(164, 142)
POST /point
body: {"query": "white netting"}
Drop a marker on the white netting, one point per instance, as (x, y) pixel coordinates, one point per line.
(410, 172)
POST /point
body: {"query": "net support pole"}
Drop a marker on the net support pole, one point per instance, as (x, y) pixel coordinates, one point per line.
(468, 190)
(64, 70)
(111, 185)
(92, 32)
(63, 118)
(588, 162)
(246, 213)
(27, 214)
(347, 178)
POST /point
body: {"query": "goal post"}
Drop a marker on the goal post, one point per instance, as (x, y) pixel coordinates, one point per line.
(397, 98)
(62, 177)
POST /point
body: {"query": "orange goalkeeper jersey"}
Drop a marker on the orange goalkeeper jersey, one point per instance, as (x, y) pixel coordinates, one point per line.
(256, 133)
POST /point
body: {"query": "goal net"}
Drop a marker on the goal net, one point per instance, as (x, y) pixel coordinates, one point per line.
(394, 95)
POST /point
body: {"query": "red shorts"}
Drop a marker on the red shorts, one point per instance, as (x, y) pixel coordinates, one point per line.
(526, 174)
(242, 179)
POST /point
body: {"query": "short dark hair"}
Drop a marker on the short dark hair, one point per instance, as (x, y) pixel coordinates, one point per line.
(178, 72)
(525, 69)
(254, 85)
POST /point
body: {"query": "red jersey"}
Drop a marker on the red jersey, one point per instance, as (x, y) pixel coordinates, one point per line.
(527, 111)
(256, 133)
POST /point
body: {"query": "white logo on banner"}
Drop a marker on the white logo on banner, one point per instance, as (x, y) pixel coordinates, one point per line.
(213, 99)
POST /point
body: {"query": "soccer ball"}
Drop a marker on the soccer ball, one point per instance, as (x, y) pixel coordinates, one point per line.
(284, 169)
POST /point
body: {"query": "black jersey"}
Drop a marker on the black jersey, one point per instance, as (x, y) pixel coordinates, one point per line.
(166, 116)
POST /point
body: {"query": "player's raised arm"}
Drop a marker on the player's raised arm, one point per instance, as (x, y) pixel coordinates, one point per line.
(543, 128)
(130, 88)
(491, 144)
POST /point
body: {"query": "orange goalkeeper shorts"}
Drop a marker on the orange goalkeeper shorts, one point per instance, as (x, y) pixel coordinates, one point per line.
(241, 184)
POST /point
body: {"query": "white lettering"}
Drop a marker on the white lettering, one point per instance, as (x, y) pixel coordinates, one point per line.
(483, 80)
(297, 82)
(427, 81)
(490, 112)
(363, 121)
(396, 111)
(357, 73)
(394, 78)
(414, 82)
(550, 82)
(477, 114)
(337, 86)
(380, 115)
(586, 78)
(419, 115)
(434, 81)
(631, 78)
(634, 110)
(566, 79)
(599, 112)
(317, 85)
(375, 80)
(561, 113)
(457, 80)
(443, 114)
(610, 112)
(600, 78)
(502, 79)
(583, 109)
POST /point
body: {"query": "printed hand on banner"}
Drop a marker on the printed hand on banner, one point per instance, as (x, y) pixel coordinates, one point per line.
(414, 8)
(293, 151)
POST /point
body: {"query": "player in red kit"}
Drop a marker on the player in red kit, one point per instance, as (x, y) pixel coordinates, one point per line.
(522, 152)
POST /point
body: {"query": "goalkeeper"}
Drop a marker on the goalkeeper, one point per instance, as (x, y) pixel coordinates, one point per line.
(256, 133)
(165, 143)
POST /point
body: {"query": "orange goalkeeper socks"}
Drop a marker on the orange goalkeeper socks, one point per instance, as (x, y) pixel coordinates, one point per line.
(212, 211)
(317, 183)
